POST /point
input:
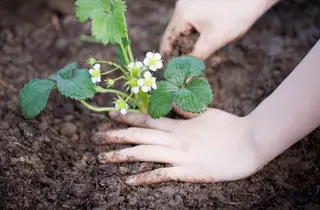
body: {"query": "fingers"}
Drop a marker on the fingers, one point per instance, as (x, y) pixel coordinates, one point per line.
(155, 176)
(207, 44)
(176, 173)
(134, 136)
(145, 121)
(150, 153)
(177, 25)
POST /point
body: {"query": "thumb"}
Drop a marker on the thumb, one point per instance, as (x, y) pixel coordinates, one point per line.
(182, 113)
(206, 45)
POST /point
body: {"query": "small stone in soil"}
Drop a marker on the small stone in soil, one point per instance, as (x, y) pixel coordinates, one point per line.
(68, 129)
(123, 170)
(28, 131)
(4, 125)
(43, 126)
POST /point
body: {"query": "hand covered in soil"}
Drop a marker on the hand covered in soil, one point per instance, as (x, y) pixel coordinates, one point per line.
(214, 146)
(218, 22)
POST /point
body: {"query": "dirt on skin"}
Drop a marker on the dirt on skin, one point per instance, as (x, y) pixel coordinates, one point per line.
(50, 162)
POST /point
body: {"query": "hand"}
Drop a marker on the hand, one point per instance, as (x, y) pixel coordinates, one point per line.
(214, 146)
(218, 22)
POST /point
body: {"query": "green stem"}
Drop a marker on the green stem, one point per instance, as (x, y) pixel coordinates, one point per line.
(104, 109)
(129, 97)
(108, 72)
(114, 65)
(130, 51)
(116, 79)
(124, 53)
(103, 90)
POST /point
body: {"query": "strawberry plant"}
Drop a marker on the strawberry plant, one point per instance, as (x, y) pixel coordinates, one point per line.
(182, 84)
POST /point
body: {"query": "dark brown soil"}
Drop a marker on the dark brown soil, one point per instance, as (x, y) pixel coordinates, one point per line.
(50, 162)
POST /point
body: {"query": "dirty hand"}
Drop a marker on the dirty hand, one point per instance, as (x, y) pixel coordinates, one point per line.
(218, 22)
(212, 147)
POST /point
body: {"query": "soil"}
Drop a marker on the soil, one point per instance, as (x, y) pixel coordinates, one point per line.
(50, 162)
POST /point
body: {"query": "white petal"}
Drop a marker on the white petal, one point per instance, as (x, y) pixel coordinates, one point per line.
(97, 66)
(153, 67)
(147, 75)
(98, 78)
(157, 56)
(149, 55)
(91, 71)
(146, 61)
(154, 85)
(116, 105)
(159, 64)
(145, 88)
(135, 89)
(123, 111)
(139, 64)
(140, 82)
(153, 79)
(131, 65)
(93, 79)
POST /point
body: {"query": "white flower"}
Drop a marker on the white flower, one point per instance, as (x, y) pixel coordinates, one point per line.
(95, 73)
(133, 84)
(135, 89)
(153, 61)
(122, 106)
(148, 82)
(135, 68)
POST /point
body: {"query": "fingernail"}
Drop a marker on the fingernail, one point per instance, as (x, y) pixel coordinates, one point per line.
(101, 157)
(114, 114)
(131, 180)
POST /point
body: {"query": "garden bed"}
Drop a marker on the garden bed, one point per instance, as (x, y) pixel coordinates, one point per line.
(50, 162)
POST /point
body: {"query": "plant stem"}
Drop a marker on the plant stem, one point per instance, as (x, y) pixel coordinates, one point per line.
(104, 109)
(114, 65)
(130, 51)
(103, 90)
(108, 72)
(124, 52)
(129, 97)
(116, 79)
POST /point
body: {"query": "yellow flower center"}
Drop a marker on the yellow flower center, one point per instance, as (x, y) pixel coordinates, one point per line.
(122, 105)
(148, 82)
(153, 61)
(135, 71)
(133, 82)
(95, 73)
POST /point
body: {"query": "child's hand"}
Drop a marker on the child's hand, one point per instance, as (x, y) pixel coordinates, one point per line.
(214, 146)
(218, 22)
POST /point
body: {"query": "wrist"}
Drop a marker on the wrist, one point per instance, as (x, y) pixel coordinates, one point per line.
(260, 139)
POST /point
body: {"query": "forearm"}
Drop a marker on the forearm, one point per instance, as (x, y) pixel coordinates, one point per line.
(291, 112)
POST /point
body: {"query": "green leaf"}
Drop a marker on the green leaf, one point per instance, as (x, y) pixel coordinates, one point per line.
(86, 8)
(201, 88)
(195, 97)
(161, 100)
(108, 19)
(33, 97)
(179, 69)
(65, 72)
(120, 57)
(79, 86)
